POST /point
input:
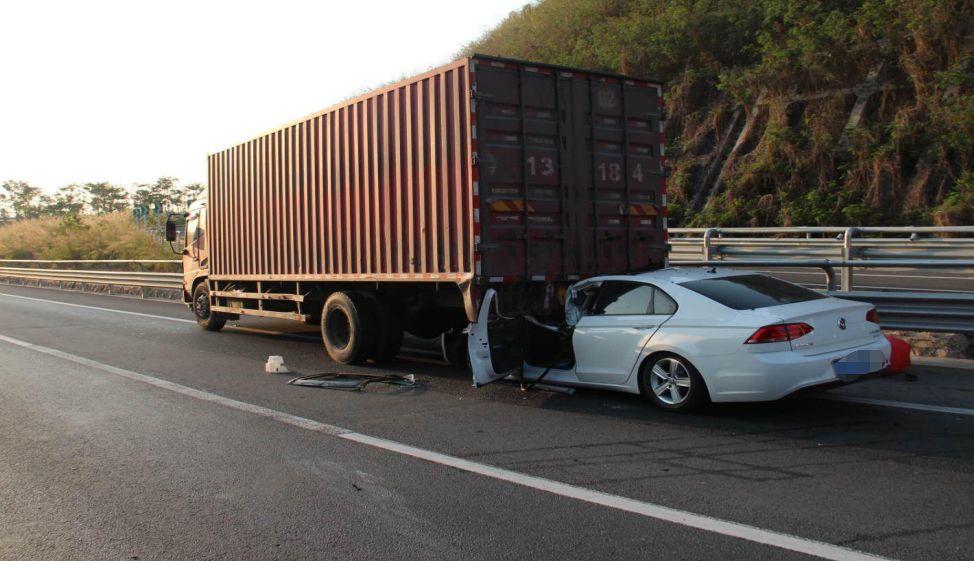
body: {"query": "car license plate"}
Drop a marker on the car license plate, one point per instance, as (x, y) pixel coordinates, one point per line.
(859, 363)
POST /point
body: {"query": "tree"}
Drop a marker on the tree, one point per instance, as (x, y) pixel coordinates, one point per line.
(23, 199)
(189, 193)
(103, 197)
(166, 193)
(68, 201)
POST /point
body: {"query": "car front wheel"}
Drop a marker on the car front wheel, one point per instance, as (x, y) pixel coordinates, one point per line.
(671, 382)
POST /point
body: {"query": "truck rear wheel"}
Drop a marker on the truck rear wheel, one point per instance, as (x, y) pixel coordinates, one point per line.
(205, 317)
(348, 327)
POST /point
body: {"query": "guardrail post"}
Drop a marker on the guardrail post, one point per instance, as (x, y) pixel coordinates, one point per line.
(141, 288)
(847, 255)
(829, 277)
(707, 248)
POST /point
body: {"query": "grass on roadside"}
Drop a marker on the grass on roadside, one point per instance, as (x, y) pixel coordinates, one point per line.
(109, 236)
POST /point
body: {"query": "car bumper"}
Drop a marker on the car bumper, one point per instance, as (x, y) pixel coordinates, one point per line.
(773, 375)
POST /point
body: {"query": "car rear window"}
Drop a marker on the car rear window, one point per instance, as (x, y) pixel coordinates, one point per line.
(747, 292)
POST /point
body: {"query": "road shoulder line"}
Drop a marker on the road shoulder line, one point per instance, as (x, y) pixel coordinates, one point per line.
(956, 363)
(724, 527)
(899, 404)
(72, 305)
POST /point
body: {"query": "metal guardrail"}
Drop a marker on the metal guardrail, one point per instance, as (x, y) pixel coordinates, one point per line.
(947, 312)
(141, 279)
(828, 266)
(909, 310)
(838, 252)
(95, 261)
(913, 311)
(913, 246)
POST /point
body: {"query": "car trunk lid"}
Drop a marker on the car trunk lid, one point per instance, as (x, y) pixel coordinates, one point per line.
(836, 324)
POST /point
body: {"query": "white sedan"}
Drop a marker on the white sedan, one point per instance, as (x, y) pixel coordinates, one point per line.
(685, 336)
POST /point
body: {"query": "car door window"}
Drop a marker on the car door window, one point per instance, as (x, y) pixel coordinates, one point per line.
(617, 298)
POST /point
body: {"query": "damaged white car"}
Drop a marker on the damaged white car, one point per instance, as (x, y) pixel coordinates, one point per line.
(682, 337)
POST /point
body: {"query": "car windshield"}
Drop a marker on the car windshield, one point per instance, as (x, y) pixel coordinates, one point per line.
(747, 292)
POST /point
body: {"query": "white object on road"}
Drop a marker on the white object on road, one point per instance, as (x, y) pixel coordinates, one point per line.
(275, 365)
(681, 335)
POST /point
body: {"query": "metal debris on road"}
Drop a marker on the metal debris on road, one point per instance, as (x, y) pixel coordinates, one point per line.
(352, 382)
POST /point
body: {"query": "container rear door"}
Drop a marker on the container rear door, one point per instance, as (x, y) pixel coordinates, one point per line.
(570, 173)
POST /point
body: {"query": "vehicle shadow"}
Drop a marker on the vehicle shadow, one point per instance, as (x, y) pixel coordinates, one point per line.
(767, 437)
(801, 422)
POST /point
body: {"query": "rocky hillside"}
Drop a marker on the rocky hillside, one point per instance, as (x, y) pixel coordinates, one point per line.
(786, 111)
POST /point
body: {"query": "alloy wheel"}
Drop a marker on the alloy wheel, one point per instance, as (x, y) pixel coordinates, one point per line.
(670, 381)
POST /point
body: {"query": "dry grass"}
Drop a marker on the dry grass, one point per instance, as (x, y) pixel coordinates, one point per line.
(111, 236)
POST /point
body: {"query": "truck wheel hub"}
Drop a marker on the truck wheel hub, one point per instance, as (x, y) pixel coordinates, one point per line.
(202, 306)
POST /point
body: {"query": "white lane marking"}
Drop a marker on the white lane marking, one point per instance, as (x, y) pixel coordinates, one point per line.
(900, 404)
(69, 304)
(183, 320)
(87, 293)
(650, 510)
(956, 363)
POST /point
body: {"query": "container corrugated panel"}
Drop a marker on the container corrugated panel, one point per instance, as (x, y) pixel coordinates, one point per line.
(485, 167)
(377, 188)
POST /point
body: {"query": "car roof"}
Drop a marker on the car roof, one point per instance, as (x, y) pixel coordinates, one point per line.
(676, 275)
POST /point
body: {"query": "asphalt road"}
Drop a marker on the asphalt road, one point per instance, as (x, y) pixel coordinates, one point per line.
(139, 436)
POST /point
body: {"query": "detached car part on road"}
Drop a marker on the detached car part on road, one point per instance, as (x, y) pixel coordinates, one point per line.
(681, 337)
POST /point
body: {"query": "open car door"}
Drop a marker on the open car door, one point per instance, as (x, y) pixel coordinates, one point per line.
(496, 343)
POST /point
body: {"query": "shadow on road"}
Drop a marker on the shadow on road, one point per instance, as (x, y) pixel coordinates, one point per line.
(803, 421)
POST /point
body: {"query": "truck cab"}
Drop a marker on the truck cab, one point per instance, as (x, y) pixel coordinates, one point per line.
(195, 253)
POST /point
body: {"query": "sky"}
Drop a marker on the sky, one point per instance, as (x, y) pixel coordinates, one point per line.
(128, 91)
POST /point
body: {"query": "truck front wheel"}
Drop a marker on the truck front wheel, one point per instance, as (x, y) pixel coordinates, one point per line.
(205, 317)
(348, 327)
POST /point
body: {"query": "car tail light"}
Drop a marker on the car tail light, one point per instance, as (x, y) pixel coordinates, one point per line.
(872, 315)
(779, 333)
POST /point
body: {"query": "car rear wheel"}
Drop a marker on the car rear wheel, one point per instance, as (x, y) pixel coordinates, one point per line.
(347, 327)
(205, 317)
(671, 382)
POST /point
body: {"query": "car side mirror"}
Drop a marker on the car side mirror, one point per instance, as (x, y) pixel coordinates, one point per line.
(170, 229)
